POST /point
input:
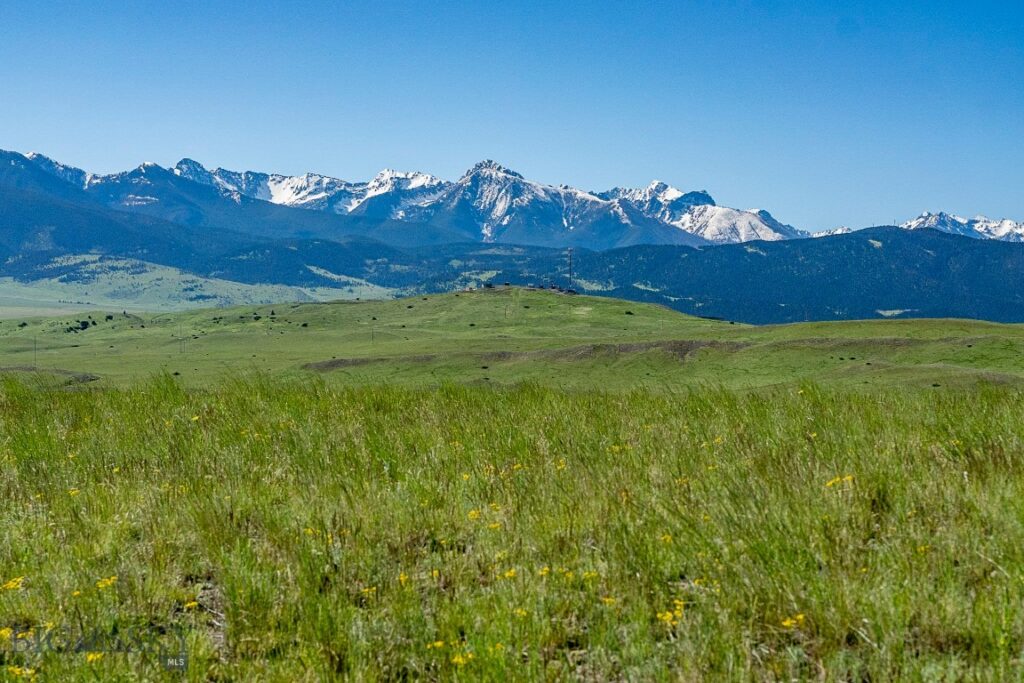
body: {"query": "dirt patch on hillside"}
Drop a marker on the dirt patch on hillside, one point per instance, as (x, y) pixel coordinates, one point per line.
(682, 349)
(337, 363)
(70, 376)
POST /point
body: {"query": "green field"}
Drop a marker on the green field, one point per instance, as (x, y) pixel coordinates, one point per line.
(507, 336)
(510, 485)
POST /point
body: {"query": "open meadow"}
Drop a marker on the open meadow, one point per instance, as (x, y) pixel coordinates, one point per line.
(509, 485)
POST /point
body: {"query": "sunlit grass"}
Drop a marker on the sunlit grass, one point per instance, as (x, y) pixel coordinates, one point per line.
(309, 532)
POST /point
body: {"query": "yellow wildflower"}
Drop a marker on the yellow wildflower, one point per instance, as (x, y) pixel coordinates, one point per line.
(462, 659)
(474, 514)
(510, 574)
(403, 578)
(520, 612)
(794, 621)
(14, 584)
(608, 600)
(435, 645)
(544, 571)
(191, 604)
(668, 618)
(92, 657)
(106, 583)
(73, 492)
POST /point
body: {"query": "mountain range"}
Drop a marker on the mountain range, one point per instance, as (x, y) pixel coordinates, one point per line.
(489, 203)
(195, 236)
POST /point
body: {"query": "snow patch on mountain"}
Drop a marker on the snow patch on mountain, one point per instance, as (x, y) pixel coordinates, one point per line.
(841, 230)
(723, 225)
(75, 176)
(979, 227)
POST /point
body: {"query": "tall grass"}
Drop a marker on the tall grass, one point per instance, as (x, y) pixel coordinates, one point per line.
(309, 532)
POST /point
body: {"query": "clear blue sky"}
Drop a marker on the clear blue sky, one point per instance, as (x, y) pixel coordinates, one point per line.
(850, 113)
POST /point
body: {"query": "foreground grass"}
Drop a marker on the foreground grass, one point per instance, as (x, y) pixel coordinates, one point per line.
(314, 532)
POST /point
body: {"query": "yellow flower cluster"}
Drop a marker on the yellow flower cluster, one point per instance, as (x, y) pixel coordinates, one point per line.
(795, 621)
(107, 582)
(848, 479)
(14, 584)
(21, 672)
(316, 533)
(462, 658)
(671, 617)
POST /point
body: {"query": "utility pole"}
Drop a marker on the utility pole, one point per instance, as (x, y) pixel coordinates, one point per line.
(570, 267)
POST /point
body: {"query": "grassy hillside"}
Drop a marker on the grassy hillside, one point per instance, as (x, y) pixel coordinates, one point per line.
(307, 532)
(90, 281)
(508, 484)
(505, 336)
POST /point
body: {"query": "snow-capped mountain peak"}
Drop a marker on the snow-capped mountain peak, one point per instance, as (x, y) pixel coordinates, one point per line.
(75, 176)
(841, 230)
(490, 167)
(390, 179)
(193, 170)
(489, 202)
(980, 227)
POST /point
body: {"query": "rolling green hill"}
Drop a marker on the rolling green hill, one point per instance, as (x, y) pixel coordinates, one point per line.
(504, 336)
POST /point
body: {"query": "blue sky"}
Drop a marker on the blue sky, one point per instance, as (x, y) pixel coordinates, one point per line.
(850, 113)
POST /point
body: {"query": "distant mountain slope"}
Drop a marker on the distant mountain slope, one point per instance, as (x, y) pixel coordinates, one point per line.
(878, 272)
(34, 222)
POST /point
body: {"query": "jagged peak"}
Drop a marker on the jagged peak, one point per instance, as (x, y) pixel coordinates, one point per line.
(492, 167)
(189, 163)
